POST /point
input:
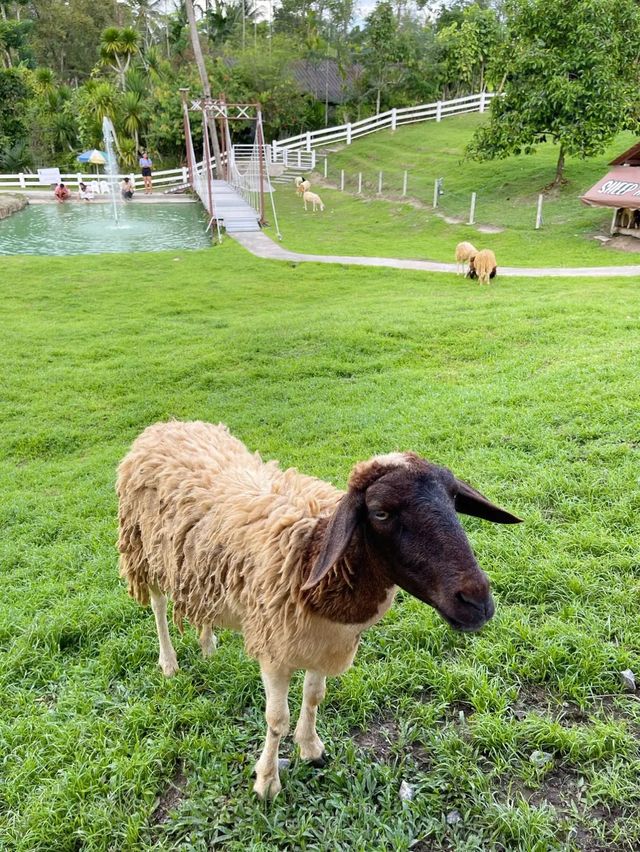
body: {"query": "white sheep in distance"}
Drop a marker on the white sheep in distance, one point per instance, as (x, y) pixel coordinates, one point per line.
(464, 252)
(302, 186)
(483, 266)
(315, 200)
(299, 567)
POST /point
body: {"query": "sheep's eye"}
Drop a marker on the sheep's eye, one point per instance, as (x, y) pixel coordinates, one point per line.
(379, 515)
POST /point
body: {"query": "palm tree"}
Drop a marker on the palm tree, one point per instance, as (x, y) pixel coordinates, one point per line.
(132, 115)
(117, 49)
(204, 79)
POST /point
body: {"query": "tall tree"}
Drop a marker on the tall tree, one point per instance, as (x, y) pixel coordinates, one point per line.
(382, 48)
(117, 49)
(570, 75)
(204, 79)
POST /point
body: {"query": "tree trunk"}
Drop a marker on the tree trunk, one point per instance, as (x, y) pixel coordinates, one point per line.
(204, 79)
(559, 167)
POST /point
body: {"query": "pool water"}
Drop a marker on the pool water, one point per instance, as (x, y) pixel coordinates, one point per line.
(89, 228)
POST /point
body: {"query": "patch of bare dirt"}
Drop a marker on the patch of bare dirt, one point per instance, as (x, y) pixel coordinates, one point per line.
(170, 797)
(622, 242)
(379, 738)
(489, 229)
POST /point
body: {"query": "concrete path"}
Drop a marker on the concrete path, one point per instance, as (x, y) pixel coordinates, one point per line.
(261, 245)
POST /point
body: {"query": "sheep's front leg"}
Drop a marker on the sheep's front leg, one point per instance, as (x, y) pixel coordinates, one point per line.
(276, 687)
(311, 746)
(167, 660)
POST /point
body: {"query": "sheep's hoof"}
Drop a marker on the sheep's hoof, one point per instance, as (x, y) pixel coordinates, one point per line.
(319, 762)
(169, 666)
(267, 786)
(208, 645)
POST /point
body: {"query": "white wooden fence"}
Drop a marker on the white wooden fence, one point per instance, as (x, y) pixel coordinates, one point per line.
(296, 151)
(382, 121)
(26, 180)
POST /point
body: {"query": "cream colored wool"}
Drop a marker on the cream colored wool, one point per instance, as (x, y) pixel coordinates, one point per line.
(224, 535)
(484, 263)
(464, 251)
(313, 199)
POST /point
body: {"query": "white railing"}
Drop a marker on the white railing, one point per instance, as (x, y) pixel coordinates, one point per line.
(25, 180)
(284, 151)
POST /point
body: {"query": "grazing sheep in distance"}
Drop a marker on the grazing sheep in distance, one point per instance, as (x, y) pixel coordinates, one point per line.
(483, 266)
(299, 567)
(302, 186)
(464, 252)
(315, 200)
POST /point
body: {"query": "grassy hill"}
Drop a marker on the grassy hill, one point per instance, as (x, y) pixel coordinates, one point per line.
(526, 390)
(507, 192)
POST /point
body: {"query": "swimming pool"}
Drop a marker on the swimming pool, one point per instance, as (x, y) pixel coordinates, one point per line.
(89, 228)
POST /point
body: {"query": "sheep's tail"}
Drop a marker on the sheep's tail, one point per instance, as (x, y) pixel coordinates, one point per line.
(133, 563)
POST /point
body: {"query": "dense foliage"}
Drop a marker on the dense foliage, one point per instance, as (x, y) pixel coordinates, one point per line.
(570, 76)
(64, 64)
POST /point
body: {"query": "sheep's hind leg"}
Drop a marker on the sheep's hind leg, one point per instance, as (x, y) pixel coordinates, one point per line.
(276, 685)
(208, 641)
(311, 746)
(167, 660)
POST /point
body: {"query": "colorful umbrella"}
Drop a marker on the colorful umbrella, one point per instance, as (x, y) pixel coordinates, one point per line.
(97, 158)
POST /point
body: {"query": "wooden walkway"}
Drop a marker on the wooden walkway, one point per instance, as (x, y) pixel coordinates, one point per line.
(230, 208)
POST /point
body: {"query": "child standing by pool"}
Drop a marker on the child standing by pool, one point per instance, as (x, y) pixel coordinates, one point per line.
(145, 164)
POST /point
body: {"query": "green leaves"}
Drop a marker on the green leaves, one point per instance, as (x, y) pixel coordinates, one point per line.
(570, 75)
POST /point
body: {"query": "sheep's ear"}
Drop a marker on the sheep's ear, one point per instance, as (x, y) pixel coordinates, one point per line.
(337, 536)
(472, 502)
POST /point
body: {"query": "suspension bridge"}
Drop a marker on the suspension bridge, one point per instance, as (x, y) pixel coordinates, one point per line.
(235, 197)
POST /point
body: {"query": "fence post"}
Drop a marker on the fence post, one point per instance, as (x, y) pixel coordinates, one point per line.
(308, 140)
(78, 179)
(359, 183)
(285, 158)
(404, 184)
(394, 115)
(539, 213)
(341, 180)
(472, 211)
(439, 111)
(185, 175)
(435, 193)
(274, 149)
(326, 161)
(379, 183)
(313, 159)
(22, 181)
(482, 102)
(349, 133)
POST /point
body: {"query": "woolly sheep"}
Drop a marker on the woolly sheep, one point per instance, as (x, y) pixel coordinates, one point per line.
(483, 266)
(315, 200)
(302, 186)
(299, 567)
(464, 252)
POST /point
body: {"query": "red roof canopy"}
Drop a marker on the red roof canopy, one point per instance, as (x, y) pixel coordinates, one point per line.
(619, 188)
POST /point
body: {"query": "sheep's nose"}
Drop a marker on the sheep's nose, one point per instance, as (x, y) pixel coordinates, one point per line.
(482, 604)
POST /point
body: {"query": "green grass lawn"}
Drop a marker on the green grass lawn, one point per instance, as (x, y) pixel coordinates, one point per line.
(507, 196)
(528, 389)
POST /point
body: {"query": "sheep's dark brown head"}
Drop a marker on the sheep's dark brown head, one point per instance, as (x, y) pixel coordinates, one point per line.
(402, 511)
